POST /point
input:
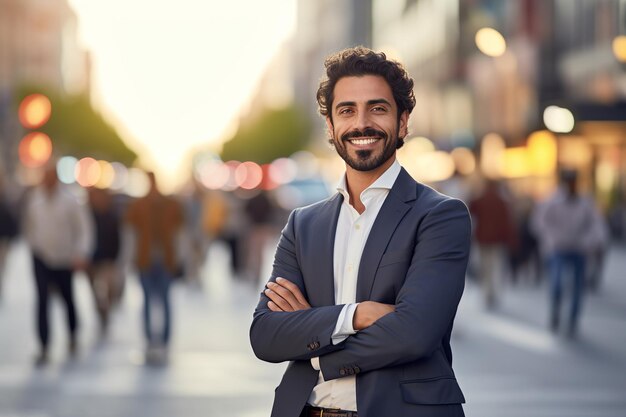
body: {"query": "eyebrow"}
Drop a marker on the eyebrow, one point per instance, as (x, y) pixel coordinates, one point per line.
(369, 103)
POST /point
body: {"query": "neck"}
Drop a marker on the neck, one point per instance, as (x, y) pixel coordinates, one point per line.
(357, 181)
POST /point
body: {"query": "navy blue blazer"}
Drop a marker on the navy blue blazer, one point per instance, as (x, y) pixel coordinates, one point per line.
(415, 258)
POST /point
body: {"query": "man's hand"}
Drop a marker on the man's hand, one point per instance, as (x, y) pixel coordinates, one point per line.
(285, 296)
(368, 312)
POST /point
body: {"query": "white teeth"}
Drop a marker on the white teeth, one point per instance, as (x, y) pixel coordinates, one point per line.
(363, 141)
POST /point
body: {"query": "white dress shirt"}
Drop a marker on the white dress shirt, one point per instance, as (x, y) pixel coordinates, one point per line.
(352, 232)
(58, 228)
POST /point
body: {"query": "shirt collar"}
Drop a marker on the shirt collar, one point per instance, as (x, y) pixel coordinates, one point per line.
(385, 181)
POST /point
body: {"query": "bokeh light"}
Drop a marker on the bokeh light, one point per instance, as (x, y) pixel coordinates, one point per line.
(282, 170)
(464, 160)
(137, 184)
(66, 169)
(231, 183)
(606, 176)
(35, 149)
(574, 152)
(34, 111)
(87, 172)
(248, 175)
(619, 48)
(558, 119)
(418, 145)
(214, 174)
(121, 176)
(267, 183)
(107, 175)
(433, 166)
(490, 42)
(516, 162)
(491, 155)
(542, 152)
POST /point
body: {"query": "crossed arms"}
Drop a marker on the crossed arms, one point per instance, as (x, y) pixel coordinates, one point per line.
(286, 296)
(286, 327)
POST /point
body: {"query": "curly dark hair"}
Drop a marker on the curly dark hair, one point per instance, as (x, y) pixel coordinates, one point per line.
(359, 61)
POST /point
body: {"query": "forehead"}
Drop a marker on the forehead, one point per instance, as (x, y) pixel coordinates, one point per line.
(362, 89)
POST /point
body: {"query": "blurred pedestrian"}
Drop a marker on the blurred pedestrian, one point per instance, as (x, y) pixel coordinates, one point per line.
(260, 211)
(8, 229)
(597, 248)
(104, 271)
(196, 240)
(457, 186)
(58, 229)
(495, 235)
(224, 220)
(526, 256)
(565, 225)
(156, 220)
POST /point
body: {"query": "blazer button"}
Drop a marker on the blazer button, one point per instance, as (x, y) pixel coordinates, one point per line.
(310, 346)
(342, 372)
(357, 369)
(351, 371)
(316, 345)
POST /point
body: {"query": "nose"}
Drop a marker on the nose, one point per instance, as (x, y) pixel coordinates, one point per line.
(362, 121)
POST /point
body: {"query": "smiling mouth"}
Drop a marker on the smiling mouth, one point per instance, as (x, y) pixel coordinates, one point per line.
(362, 142)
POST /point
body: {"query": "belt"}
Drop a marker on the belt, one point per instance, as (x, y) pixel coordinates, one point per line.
(326, 412)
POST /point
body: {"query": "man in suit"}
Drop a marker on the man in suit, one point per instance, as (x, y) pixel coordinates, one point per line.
(365, 284)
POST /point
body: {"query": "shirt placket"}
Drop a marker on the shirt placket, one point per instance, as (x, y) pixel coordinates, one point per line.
(355, 242)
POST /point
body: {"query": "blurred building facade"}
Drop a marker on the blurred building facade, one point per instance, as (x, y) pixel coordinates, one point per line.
(324, 27)
(293, 76)
(495, 81)
(559, 53)
(38, 46)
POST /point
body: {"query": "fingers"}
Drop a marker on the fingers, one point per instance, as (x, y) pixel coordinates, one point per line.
(272, 306)
(279, 302)
(293, 288)
(286, 296)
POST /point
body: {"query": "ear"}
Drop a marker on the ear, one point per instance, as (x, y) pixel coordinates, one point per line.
(403, 128)
(329, 127)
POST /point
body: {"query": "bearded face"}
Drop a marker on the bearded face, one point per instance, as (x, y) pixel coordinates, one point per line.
(365, 126)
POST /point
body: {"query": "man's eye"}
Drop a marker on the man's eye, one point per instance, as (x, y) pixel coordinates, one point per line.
(345, 111)
(379, 109)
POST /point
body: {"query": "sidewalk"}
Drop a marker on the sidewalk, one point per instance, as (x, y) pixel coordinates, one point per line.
(212, 370)
(507, 362)
(510, 364)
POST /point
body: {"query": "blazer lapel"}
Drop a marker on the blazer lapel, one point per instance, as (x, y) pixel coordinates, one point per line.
(325, 228)
(391, 213)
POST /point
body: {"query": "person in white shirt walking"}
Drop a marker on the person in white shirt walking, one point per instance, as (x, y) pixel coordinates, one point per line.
(568, 226)
(58, 230)
(365, 285)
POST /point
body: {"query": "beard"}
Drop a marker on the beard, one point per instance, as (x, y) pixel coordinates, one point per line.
(367, 159)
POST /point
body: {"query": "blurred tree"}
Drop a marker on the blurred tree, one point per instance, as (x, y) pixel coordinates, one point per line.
(273, 134)
(77, 129)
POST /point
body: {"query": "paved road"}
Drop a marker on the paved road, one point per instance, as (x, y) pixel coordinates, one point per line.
(508, 364)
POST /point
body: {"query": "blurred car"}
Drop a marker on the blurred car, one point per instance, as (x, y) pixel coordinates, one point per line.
(302, 192)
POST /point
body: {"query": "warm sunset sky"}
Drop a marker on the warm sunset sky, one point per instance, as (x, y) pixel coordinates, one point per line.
(172, 75)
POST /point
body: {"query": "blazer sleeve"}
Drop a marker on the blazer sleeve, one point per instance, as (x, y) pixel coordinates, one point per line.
(298, 335)
(425, 305)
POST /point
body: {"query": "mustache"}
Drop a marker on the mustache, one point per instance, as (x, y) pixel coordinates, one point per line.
(369, 132)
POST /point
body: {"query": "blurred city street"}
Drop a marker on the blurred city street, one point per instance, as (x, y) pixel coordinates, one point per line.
(506, 360)
(178, 143)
